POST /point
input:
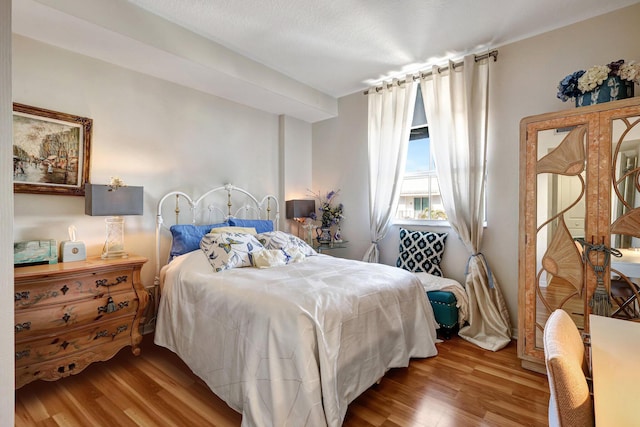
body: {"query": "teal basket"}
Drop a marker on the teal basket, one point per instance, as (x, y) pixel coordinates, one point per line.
(612, 89)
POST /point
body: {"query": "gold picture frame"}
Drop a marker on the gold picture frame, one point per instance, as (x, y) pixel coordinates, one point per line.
(51, 151)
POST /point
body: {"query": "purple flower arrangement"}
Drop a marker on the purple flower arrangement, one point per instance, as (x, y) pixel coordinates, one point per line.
(329, 214)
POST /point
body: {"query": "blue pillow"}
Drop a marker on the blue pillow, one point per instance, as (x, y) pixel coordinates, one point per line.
(186, 237)
(261, 225)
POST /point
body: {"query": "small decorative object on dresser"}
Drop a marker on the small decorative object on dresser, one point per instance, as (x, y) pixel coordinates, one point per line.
(70, 315)
(72, 250)
(35, 252)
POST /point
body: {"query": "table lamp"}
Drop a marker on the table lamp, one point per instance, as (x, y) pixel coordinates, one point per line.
(299, 211)
(113, 201)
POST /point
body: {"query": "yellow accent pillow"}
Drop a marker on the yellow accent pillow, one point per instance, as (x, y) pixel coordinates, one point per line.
(230, 229)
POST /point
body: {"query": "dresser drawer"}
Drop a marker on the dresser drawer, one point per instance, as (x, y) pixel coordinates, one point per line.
(65, 289)
(62, 345)
(72, 364)
(77, 313)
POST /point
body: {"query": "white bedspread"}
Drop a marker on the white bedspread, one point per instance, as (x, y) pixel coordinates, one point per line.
(293, 345)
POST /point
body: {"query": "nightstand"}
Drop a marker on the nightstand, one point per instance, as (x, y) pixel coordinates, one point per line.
(69, 315)
(324, 247)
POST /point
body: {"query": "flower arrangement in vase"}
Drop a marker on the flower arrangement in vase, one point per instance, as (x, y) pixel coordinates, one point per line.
(330, 214)
(600, 83)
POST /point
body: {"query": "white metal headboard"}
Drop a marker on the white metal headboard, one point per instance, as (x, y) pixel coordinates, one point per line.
(216, 205)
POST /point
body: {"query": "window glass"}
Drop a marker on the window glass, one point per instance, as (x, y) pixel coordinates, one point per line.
(420, 193)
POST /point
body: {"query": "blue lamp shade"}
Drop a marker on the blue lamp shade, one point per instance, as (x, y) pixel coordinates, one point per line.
(300, 208)
(102, 200)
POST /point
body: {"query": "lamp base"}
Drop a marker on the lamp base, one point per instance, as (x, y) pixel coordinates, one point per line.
(114, 255)
(309, 231)
(114, 243)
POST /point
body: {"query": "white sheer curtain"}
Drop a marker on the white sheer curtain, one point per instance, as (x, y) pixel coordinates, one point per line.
(456, 103)
(390, 116)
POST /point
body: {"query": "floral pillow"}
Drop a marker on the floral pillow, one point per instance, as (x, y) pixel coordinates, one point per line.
(421, 251)
(289, 243)
(230, 250)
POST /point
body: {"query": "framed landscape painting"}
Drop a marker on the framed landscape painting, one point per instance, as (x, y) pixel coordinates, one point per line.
(50, 151)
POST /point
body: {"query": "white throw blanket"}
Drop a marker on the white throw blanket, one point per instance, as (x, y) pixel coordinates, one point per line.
(437, 283)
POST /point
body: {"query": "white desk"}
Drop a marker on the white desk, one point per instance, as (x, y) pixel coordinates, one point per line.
(628, 264)
(615, 358)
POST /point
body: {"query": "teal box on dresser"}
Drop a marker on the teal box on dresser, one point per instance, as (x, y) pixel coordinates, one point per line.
(35, 252)
(444, 310)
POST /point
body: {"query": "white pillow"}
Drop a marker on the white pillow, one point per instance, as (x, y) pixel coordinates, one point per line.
(294, 255)
(230, 250)
(269, 258)
(285, 241)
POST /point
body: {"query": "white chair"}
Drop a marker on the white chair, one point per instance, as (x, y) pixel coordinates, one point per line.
(570, 403)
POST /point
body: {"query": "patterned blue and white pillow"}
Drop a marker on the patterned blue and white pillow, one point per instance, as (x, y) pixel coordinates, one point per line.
(286, 242)
(230, 250)
(421, 251)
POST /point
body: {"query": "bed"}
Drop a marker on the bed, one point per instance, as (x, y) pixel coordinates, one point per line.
(288, 345)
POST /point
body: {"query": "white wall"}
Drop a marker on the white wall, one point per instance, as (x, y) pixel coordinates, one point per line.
(149, 132)
(7, 354)
(295, 165)
(524, 82)
(340, 163)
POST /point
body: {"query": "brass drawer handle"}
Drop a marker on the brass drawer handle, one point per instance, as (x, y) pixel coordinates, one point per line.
(23, 353)
(111, 306)
(23, 327)
(21, 295)
(103, 282)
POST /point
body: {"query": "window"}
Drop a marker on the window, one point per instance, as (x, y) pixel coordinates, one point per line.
(420, 193)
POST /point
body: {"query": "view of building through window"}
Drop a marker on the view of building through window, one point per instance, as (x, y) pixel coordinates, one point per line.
(420, 193)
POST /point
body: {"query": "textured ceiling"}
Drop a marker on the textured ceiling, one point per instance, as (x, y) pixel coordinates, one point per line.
(289, 57)
(342, 46)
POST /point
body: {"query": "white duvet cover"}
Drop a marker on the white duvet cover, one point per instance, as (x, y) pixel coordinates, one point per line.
(293, 345)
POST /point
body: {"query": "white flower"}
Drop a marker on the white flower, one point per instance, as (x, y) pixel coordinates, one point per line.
(593, 78)
(630, 71)
(116, 183)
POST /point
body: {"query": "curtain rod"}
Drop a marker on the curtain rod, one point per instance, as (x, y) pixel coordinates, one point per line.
(491, 54)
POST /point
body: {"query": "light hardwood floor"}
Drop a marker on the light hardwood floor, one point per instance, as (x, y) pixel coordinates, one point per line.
(462, 386)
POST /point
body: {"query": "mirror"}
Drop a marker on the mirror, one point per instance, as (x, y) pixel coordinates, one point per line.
(625, 194)
(625, 231)
(560, 168)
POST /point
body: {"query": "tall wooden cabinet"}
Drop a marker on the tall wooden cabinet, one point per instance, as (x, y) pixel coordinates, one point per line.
(578, 180)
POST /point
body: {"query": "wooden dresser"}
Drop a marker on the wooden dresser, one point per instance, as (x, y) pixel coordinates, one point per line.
(69, 315)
